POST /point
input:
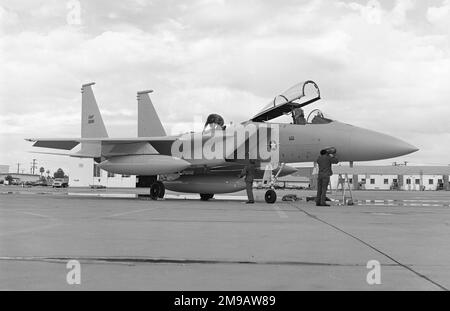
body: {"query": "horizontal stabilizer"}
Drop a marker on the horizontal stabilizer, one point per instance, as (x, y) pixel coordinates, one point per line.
(73, 155)
(52, 153)
(55, 144)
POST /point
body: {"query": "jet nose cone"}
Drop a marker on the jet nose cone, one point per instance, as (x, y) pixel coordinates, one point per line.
(370, 145)
(408, 148)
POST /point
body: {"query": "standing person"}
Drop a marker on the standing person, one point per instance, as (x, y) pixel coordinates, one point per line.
(341, 182)
(249, 173)
(325, 160)
(215, 120)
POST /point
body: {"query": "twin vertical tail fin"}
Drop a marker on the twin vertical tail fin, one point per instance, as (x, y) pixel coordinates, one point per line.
(149, 123)
(92, 125)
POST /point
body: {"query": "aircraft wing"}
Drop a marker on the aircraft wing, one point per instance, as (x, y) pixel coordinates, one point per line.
(294, 97)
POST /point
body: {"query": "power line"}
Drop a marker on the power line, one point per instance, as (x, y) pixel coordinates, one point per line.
(33, 166)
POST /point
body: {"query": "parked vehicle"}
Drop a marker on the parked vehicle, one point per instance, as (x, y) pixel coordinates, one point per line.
(61, 183)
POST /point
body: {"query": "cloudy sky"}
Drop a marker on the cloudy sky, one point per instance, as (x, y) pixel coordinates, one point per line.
(380, 65)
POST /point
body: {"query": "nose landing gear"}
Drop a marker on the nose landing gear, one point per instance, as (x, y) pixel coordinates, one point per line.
(270, 196)
(269, 181)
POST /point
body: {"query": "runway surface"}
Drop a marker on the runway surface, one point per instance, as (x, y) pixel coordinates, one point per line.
(124, 242)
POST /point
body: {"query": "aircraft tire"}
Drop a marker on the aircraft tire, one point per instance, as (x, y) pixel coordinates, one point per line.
(155, 189)
(206, 196)
(270, 196)
(162, 190)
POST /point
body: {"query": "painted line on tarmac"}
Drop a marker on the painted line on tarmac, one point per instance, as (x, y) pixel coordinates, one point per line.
(182, 261)
(129, 212)
(414, 203)
(315, 217)
(37, 215)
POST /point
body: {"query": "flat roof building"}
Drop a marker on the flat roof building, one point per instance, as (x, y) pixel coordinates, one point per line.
(390, 177)
(21, 177)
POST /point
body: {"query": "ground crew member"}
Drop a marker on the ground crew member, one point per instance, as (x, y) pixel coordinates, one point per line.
(215, 120)
(341, 182)
(324, 161)
(249, 173)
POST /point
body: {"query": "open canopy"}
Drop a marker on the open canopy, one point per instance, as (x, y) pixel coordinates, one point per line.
(299, 95)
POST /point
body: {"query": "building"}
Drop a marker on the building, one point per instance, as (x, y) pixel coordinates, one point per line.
(393, 177)
(85, 173)
(379, 177)
(21, 178)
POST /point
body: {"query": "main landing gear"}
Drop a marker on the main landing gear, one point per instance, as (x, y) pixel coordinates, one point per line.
(157, 190)
(206, 196)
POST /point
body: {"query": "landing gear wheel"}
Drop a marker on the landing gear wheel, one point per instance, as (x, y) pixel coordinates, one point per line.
(206, 196)
(157, 190)
(162, 190)
(270, 196)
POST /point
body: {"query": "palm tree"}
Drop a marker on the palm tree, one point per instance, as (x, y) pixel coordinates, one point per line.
(42, 170)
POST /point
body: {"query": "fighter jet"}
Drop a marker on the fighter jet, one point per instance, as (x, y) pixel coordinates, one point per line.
(210, 162)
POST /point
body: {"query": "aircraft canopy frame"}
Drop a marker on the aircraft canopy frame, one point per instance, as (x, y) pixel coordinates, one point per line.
(287, 101)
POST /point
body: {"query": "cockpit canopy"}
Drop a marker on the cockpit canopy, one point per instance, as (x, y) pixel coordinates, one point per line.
(316, 117)
(291, 101)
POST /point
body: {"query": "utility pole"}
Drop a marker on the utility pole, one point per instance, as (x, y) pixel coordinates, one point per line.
(33, 166)
(18, 167)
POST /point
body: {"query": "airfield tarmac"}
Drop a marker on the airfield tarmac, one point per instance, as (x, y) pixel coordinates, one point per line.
(181, 243)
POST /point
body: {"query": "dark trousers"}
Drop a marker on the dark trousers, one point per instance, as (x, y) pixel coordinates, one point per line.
(322, 186)
(249, 187)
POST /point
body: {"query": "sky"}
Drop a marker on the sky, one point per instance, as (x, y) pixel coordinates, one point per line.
(382, 65)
